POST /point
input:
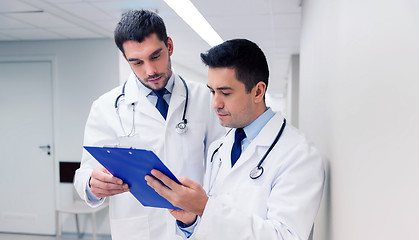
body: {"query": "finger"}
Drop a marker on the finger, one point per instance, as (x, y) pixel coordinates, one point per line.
(104, 176)
(161, 189)
(153, 182)
(106, 171)
(165, 179)
(105, 190)
(187, 182)
(99, 184)
(106, 193)
(174, 211)
(110, 179)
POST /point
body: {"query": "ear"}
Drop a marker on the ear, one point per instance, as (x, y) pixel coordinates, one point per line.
(170, 45)
(259, 92)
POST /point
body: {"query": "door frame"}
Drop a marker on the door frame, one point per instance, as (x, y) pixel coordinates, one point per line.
(53, 61)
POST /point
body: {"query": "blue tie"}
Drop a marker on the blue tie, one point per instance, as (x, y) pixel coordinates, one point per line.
(236, 150)
(161, 104)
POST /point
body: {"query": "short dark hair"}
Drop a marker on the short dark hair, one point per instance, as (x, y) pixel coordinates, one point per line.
(247, 59)
(137, 25)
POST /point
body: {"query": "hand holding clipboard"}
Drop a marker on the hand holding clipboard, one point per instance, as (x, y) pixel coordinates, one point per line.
(132, 165)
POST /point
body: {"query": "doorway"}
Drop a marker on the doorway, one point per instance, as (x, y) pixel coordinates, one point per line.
(27, 203)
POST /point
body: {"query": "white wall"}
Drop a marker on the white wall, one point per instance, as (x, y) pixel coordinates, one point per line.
(359, 103)
(188, 73)
(84, 70)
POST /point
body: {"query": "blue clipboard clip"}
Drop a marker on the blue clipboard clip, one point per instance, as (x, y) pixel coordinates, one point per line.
(132, 165)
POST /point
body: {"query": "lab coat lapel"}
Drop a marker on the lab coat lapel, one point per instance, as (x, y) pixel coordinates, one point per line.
(258, 147)
(225, 169)
(226, 149)
(268, 134)
(177, 99)
(143, 105)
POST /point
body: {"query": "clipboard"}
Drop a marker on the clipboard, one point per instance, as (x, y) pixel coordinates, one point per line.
(131, 165)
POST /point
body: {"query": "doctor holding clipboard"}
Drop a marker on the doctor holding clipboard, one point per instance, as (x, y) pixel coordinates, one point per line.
(264, 180)
(156, 110)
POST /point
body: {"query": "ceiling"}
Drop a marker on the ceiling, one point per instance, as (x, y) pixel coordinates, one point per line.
(273, 24)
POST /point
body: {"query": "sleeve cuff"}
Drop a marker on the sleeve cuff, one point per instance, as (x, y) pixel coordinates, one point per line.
(187, 230)
(91, 198)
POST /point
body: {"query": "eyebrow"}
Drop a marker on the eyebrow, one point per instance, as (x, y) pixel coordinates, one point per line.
(152, 54)
(221, 88)
(156, 52)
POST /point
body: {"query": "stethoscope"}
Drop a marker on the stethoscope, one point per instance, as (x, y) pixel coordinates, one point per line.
(181, 127)
(257, 171)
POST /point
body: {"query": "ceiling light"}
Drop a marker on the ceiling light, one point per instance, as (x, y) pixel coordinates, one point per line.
(18, 12)
(188, 12)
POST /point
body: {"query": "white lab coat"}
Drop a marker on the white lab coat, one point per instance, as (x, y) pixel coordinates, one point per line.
(184, 154)
(281, 204)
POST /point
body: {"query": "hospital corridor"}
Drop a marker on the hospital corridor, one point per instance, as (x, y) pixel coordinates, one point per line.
(343, 76)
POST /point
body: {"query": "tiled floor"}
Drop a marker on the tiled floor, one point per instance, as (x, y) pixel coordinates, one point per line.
(6, 236)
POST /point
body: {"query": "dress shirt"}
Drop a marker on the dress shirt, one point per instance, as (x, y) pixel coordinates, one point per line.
(251, 130)
(152, 97)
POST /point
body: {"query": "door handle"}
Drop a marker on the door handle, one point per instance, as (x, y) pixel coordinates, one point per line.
(47, 148)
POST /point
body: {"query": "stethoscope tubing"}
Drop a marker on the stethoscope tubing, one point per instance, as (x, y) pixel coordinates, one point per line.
(184, 120)
(180, 127)
(273, 144)
(120, 95)
(258, 170)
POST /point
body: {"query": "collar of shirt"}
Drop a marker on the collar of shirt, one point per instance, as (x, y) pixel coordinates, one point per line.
(253, 129)
(153, 97)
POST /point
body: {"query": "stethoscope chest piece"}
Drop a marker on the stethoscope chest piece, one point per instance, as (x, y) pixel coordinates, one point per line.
(181, 127)
(256, 172)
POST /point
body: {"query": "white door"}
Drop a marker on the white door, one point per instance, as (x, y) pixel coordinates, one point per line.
(26, 170)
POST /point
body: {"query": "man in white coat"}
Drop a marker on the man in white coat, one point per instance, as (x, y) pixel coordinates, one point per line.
(145, 113)
(263, 179)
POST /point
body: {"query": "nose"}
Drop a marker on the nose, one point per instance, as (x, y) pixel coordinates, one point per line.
(150, 69)
(217, 102)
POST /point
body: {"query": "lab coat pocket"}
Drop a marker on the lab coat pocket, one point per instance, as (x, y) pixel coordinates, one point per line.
(193, 148)
(136, 228)
(194, 138)
(185, 151)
